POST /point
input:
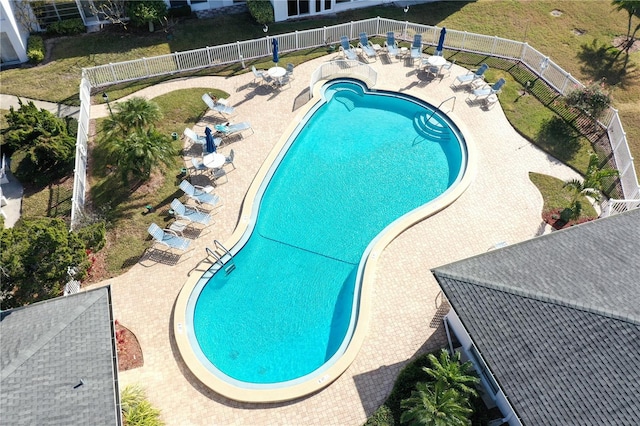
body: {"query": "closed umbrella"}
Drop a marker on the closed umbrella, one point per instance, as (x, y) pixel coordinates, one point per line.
(210, 145)
(443, 32)
(274, 42)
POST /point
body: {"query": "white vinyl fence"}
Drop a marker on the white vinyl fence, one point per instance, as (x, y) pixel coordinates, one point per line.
(241, 51)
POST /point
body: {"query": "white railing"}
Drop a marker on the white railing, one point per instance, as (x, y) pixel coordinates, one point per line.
(80, 170)
(343, 68)
(238, 52)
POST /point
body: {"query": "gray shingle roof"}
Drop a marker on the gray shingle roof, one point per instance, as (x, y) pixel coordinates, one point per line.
(47, 349)
(557, 320)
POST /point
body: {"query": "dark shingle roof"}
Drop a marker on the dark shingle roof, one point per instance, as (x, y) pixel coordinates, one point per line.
(47, 349)
(557, 320)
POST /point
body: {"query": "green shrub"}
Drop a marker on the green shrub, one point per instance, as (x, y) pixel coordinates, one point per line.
(146, 12)
(179, 12)
(66, 27)
(262, 11)
(381, 417)
(136, 410)
(592, 99)
(35, 49)
(93, 236)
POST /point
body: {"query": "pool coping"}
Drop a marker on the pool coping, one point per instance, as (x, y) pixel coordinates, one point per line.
(333, 372)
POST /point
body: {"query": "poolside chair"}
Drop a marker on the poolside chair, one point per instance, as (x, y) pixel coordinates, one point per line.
(489, 90)
(446, 68)
(416, 47)
(290, 71)
(168, 238)
(193, 137)
(348, 51)
(190, 214)
(223, 110)
(257, 75)
(200, 194)
(229, 159)
(230, 129)
(367, 47)
(471, 75)
(197, 165)
(283, 81)
(391, 44)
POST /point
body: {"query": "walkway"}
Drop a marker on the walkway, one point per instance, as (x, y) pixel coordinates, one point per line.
(500, 205)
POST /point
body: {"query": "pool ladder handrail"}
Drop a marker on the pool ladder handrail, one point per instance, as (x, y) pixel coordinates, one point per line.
(229, 265)
(441, 103)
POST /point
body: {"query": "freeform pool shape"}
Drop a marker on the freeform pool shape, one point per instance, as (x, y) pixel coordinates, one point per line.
(286, 314)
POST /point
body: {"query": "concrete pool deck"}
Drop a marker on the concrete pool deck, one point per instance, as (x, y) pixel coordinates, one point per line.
(500, 205)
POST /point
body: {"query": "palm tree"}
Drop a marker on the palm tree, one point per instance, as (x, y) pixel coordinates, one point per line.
(134, 114)
(590, 186)
(433, 404)
(141, 151)
(632, 7)
(453, 374)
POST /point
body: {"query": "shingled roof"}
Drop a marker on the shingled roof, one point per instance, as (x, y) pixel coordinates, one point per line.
(58, 362)
(557, 321)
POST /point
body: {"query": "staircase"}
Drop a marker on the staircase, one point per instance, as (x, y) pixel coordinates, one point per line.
(429, 127)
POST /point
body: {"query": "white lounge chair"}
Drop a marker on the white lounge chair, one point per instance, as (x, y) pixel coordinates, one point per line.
(193, 137)
(223, 110)
(416, 47)
(472, 75)
(348, 51)
(367, 47)
(391, 44)
(190, 214)
(230, 129)
(168, 238)
(489, 90)
(200, 194)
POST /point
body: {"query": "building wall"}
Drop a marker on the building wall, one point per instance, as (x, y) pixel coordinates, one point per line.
(13, 39)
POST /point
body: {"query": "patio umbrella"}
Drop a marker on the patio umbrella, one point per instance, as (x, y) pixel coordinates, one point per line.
(443, 32)
(274, 42)
(210, 145)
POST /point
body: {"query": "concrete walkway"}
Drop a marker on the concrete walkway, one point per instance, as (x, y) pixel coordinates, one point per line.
(60, 110)
(501, 205)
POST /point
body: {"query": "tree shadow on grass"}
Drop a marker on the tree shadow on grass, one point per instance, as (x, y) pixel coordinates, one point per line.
(603, 61)
(559, 138)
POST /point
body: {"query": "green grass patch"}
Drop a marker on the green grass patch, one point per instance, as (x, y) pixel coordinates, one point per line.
(557, 197)
(125, 209)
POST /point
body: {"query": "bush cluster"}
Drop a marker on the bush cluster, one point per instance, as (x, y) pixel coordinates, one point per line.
(35, 49)
(592, 99)
(262, 11)
(66, 27)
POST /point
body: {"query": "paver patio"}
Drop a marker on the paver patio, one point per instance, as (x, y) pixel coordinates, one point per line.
(501, 204)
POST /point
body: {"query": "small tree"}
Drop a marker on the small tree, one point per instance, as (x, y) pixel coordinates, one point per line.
(262, 11)
(44, 138)
(146, 12)
(593, 99)
(632, 7)
(35, 258)
(433, 404)
(452, 373)
(591, 186)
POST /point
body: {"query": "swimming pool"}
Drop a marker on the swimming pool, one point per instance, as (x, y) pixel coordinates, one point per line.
(288, 311)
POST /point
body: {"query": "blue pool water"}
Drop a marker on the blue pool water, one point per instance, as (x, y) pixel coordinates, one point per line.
(357, 163)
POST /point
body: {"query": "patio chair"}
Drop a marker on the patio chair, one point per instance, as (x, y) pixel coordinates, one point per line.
(283, 81)
(391, 44)
(223, 110)
(257, 75)
(229, 159)
(446, 68)
(168, 238)
(367, 47)
(197, 165)
(230, 129)
(416, 47)
(489, 90)
(471, 75)
(348, 51)
(190, 214)
(290, 71)
(200, 194)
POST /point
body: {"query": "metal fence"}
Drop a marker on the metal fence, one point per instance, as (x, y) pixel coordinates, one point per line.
(241, 51)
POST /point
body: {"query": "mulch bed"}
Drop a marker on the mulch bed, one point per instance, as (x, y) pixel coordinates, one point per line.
(552, 217)
(129, 350)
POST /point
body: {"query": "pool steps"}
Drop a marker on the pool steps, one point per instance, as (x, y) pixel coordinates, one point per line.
(431, 128)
